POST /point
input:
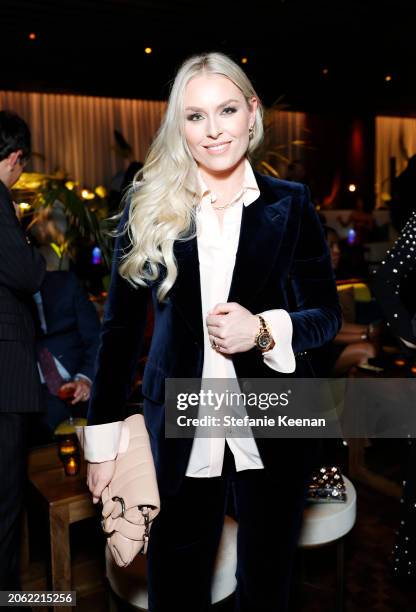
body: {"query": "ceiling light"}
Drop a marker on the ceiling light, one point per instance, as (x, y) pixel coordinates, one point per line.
(86, 194)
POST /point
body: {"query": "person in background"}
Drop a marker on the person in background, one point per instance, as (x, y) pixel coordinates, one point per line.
(214, 243)
(354, 344)
(362, 221)
(123, 179)
(68, 334)
(22, 270)
(398, 267)
(403, 201)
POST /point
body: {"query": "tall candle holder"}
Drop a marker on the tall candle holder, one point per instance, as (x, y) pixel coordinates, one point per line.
(68, 451)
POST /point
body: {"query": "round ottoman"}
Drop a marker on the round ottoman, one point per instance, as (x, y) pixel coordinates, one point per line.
(130, 583)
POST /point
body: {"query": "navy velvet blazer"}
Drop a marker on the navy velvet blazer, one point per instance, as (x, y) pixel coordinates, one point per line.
(72, 322)
(282, 254)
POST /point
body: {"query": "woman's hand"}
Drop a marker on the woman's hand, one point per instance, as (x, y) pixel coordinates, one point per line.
(232, 328)
(98, 477)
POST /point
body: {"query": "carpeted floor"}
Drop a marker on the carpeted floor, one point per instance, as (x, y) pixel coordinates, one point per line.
(369, 583)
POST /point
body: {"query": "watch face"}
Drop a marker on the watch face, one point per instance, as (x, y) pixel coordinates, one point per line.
(264, 340)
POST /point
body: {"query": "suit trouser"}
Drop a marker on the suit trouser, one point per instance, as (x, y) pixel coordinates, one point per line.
(12, 478)
(185, 536)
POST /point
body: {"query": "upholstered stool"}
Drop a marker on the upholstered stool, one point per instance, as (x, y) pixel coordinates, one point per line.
(130, 584)
(324, 523)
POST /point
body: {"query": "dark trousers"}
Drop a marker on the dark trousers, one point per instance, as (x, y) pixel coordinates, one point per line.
(185, 537)
(12, 478)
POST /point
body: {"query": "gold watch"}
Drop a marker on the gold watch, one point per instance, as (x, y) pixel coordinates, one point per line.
(264, 339)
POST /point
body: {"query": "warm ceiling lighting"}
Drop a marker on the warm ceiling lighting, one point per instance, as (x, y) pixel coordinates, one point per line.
(32, 36)
(244, 60)
(148, 50)
(101, 191)
(352, 187)
(387, 78)
(24, 206)
(399, 362)
(325, 71)
(86, 194)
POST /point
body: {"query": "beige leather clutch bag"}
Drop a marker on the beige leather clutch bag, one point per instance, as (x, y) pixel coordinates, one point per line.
(131, 500)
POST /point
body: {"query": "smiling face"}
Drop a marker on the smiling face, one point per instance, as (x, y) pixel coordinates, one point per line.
(217, 122)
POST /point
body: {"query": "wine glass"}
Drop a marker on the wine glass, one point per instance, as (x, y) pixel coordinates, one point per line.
(67, 393)
(68, 448)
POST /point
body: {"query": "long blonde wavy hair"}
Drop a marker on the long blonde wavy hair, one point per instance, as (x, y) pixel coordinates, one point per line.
(166, 190)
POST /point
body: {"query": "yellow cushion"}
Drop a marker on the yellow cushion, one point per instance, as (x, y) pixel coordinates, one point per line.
(361, 291)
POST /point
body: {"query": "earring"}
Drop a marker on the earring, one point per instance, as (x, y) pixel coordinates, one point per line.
(251, 131)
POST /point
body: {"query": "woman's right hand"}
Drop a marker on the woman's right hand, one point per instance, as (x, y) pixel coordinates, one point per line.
(98, 477)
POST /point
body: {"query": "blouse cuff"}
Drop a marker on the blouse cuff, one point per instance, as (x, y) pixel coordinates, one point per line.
(281, 357)
(103, 442)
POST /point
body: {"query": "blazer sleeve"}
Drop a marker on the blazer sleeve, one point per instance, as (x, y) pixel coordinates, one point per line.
(385, 283)
(88, 324)
(22, 267)
(121, 341)
(317, 318)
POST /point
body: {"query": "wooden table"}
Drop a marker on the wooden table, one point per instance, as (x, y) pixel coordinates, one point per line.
(67, 500)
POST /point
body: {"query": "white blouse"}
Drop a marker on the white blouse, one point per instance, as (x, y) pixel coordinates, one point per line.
(216, 251)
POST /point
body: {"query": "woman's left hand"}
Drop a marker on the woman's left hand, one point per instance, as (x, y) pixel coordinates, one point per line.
(232, 328)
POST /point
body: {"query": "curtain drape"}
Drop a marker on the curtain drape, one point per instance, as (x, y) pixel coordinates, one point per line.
(395, 137)
(75, 133)
(285, 135)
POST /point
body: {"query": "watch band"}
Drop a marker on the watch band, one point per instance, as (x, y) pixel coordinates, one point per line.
(264, 330)
(263, 325)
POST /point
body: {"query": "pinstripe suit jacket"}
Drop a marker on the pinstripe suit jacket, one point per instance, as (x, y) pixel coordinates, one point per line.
(22, 269)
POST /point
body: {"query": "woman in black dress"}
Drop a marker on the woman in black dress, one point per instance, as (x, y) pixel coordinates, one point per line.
(391, 284)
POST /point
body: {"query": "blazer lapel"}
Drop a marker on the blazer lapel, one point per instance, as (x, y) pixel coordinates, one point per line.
(263, 225)
(186, 291)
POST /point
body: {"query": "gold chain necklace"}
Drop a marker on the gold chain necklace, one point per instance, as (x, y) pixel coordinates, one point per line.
(222, 207)
(214, 198)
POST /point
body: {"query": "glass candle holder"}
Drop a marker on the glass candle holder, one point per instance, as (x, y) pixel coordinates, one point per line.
(72, 465)
(68, 451)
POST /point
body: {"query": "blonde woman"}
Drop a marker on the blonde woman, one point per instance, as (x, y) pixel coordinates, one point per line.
(214, 244)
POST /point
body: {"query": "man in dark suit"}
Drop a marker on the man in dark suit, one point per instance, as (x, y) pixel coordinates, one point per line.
(22, 270)
(69, 330)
